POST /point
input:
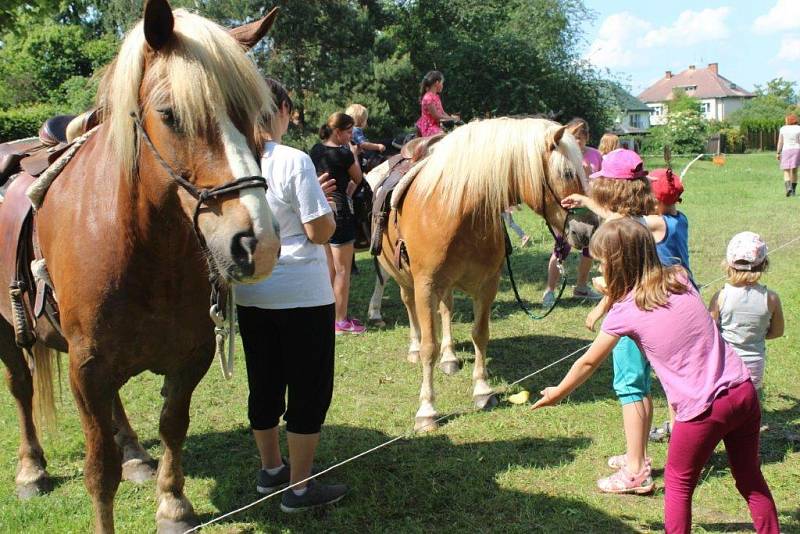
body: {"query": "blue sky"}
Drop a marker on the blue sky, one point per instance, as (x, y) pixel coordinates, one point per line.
(752, 40)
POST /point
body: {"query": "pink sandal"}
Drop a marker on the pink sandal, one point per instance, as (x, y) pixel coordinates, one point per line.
(624, 482)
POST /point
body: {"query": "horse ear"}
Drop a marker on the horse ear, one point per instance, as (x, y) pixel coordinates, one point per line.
(158, 23)
(251, 33)
(556, 138)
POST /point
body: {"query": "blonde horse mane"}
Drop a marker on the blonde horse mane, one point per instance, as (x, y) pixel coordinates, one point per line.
(201, 74)
(488, 165)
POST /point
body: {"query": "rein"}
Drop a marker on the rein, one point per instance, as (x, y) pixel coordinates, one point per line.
(222, 314)
(559, 252)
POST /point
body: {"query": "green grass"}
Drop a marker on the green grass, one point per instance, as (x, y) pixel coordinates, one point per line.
(509, 470)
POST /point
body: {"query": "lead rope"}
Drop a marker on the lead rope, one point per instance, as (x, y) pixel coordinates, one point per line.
(224, 331)
(561, 273)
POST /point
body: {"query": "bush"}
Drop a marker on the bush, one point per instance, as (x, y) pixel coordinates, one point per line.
(685, 132)
(19, 123)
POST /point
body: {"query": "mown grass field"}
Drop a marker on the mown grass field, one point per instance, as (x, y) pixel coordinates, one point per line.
(509, 470)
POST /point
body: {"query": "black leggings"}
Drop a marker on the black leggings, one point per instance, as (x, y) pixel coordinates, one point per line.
(291, 348)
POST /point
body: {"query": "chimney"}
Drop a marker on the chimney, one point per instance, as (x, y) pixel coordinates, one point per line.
(714, 68)
(668, 75)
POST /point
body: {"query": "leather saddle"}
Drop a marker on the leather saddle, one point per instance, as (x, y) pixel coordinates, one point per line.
(399, 165)
(35, 154)
(30, 296)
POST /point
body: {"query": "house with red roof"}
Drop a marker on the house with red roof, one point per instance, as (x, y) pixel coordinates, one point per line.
(718, 96)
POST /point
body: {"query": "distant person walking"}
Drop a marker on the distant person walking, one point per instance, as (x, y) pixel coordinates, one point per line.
(789, 153)
(430, 103)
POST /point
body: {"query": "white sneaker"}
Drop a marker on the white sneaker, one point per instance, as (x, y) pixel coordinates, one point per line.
(548, 299)
(586, 292)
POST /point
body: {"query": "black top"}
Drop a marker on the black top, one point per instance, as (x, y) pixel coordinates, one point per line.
(335, 160)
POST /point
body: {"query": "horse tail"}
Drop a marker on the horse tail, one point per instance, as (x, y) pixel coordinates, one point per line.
(44, 406)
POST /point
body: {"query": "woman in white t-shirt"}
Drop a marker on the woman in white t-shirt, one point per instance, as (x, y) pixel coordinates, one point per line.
(789, 153)
(286, 322)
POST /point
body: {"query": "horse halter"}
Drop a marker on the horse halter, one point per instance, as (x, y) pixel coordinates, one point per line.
(570, 212)
(202, 195)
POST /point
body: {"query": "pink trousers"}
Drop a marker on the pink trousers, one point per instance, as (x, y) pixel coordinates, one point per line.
(735, 419)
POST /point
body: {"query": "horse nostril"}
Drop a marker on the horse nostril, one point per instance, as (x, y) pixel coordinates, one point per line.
(243, 248)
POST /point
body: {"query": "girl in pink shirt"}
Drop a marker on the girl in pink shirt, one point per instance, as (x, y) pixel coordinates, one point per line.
(431, 110)
(706, 383)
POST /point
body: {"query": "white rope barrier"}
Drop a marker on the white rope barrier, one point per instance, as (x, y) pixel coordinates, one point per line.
(409, 434)
(377, 447)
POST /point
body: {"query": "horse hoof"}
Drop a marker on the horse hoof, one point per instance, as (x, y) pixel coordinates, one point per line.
(486, 402)
(450, 367)
(413, 356)
(425, 424)
(138, 471)
(33, 489)
(168, 526)
(377, 323)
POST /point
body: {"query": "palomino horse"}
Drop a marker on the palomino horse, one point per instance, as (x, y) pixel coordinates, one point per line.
(451, 233)
(129, 244)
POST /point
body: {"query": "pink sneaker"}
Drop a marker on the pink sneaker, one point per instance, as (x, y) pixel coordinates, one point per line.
(349, 327)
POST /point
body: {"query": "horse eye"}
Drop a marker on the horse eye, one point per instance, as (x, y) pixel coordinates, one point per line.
(168, 117)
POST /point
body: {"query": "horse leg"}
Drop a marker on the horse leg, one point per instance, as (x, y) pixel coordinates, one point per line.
(449, 363)
(94, 395)
(175, 512)
(426, 302)
(407, 295)
(32, 478)
(136, 463)
(374, 316)
(482, 394)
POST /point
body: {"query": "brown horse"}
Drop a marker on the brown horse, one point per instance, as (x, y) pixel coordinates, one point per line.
(450, 226)
(128, 245)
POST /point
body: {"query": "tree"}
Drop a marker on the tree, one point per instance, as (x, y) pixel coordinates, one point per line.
(505, 57)
(681, 102)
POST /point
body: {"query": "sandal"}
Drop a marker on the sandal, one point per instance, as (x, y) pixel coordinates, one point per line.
(661, 433)
(624, 482)
(619, 461)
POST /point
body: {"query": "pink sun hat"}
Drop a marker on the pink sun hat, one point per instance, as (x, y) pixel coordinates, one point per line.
(621, 164)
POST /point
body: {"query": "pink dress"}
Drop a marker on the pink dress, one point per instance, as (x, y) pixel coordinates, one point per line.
(427, 123)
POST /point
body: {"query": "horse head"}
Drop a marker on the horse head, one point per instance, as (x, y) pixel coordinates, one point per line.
(184, 105)
(565, 176)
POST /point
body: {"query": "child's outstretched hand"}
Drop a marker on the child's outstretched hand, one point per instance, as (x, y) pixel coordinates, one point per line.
(574, 200)
(593, 317)
(550, 397)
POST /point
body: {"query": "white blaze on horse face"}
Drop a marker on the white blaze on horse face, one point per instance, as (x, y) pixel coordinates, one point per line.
(242, 163)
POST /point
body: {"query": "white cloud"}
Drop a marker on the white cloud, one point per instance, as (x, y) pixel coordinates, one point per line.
(614, 45)
(623, 36)
(784, 15)
(692, 27)
(790, 48)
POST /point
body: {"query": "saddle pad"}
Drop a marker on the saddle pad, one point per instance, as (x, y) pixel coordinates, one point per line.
(402, 186)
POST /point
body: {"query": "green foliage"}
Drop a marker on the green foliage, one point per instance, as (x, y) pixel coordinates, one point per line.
(504, 58)
(53, 64)
(767, 111)
(685, 132)
(25, 122)
(499, 57)
(681, 102)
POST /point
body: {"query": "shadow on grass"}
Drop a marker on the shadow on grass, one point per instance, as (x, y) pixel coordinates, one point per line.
(423, 484)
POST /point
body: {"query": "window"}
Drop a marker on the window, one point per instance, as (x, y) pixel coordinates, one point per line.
(705, 107)
(656, 111)
(635, 120)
